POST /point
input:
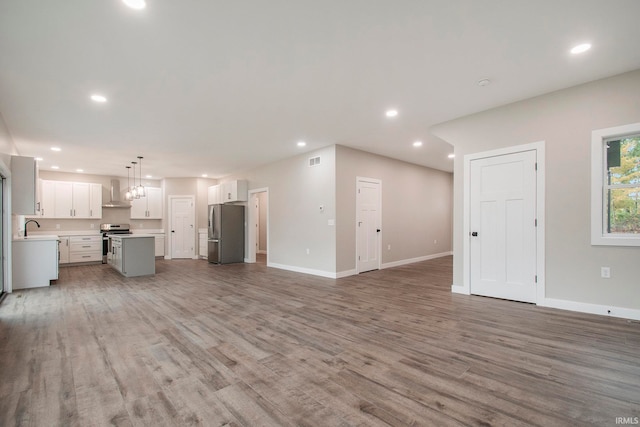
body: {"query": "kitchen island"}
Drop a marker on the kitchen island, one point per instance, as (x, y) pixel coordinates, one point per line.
(133, 254)
(34, 261)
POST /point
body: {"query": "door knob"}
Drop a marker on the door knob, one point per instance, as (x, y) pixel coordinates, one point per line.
(474, 233)
(378, 230)
(173, 231)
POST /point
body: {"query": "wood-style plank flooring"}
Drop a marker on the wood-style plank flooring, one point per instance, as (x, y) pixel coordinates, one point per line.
(247, 345)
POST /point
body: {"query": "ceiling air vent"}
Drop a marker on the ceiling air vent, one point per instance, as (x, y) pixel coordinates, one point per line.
(314, 161)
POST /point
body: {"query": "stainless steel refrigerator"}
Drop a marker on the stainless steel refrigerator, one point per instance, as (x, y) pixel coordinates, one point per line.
(226, 234)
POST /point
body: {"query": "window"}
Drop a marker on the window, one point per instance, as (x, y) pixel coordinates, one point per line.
(615, 186)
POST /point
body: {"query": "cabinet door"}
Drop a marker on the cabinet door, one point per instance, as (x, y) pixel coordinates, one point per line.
(139, 208)
(213, 195)
(64, 250)
(63, 196)
(95, 201)
(24, 177)
(159, 244)
(47, 198)
(154, 203)
(81, 200)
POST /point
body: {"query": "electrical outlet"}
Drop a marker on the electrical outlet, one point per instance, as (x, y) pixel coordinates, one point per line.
(57, 226)
(388, 247)
(605, 272)
(435, 242)
(307, 251)
(93, 225)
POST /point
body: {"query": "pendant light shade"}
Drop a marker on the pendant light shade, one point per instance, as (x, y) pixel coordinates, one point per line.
(141, 191)
(128, 196)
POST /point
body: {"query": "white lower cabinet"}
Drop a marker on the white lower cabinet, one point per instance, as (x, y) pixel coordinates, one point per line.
(159, 244)
(203, 245)
(85, 248)
(34, 262)
(63, 250)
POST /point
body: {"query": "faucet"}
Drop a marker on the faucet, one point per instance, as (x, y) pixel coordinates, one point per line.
(27, 222)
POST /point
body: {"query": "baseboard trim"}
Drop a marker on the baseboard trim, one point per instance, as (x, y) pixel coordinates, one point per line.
(458, 289)
(583, 307)
(346, 273)
(412, 260)
(296, 269)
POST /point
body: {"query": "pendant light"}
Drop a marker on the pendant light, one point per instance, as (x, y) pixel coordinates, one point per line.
(128, 196)
(134, 189)
(141, 191)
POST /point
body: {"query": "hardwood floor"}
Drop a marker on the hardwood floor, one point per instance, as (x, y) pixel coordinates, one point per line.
(247, 345)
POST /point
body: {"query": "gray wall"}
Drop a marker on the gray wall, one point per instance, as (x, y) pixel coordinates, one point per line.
(416, 207)
(295, 222)
(565, 120)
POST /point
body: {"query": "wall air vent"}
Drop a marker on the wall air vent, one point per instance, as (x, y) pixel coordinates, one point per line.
(314, 161)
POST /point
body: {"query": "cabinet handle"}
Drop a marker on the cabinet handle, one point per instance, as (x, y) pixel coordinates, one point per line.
(38, 208)
(70, 212)
(90, 212)
(87, 246)
(74, 212)
(86, 256)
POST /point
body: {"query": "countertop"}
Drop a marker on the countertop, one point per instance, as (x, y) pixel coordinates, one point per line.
(36, 237)
(132, 236)
(65, 233)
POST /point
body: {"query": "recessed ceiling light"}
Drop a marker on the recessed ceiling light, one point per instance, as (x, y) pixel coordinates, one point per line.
(79, 170)
(56, 149)
(39, 159)
(581, 48)
(135, 4)
(484, 82)
(391, 113)
(451, 156)
(55, 167)
(204, 175)
(98, 98)
(148, 176)
(301, 143)
(417, 144)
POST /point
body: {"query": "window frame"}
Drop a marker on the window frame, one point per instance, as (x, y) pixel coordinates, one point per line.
(599, 237)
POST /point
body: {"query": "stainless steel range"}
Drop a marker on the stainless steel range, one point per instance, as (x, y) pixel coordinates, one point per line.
(110, 230)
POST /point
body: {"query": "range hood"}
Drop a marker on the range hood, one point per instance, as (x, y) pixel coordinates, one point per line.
(115, 201)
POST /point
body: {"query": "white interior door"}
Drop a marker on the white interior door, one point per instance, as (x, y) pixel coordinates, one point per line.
(182, 227)
(368, 226)
(503, 226)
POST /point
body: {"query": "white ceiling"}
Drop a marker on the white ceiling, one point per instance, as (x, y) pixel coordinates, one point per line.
(219, 86)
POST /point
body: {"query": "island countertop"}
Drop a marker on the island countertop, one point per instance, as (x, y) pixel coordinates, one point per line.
(36, 237)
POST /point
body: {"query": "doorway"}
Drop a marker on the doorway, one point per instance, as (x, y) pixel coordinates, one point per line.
(182, 226)
(257, 224)
(504, 223)
(368, 224)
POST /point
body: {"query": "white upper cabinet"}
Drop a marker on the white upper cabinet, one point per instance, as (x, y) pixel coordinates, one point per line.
(148, 207)
(62, 199)
(45, 200)
(95, 201)
(213, 195)
(24, 179)
(233, 191)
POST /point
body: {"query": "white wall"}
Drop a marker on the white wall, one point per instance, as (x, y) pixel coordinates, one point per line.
(416, 207)
(7, 146)
(564, 120)
(295, 222)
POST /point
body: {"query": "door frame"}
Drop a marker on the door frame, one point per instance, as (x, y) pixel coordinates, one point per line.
(251, 230)
(379, 182)
(7, 231)
(539, 148)
(170, 199)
